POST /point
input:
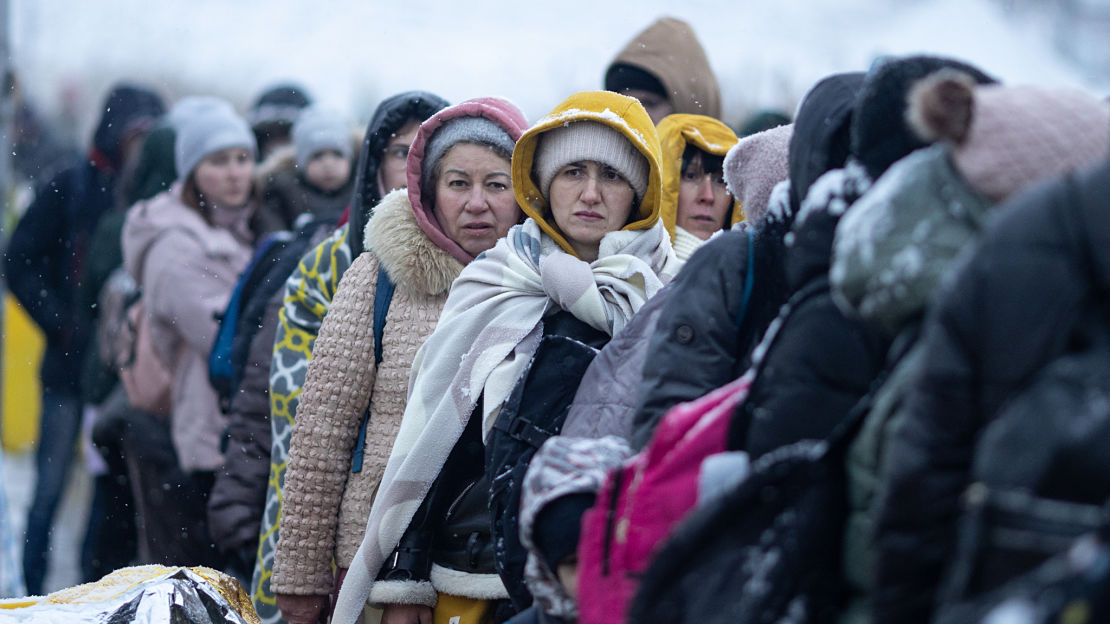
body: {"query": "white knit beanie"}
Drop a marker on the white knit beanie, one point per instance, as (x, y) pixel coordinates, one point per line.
(589, 140)
(318, 129)
(209, 130)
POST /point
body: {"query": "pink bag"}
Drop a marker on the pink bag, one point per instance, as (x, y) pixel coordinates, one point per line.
(146, 378)
(642, 501)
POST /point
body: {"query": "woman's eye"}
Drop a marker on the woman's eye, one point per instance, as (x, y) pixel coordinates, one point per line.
(456, 183)
(689, 176)
(611, 174)
(573, 172)
(498, 186)
(720, 181)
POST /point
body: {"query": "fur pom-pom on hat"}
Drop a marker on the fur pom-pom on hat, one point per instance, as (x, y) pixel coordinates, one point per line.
(941, 106)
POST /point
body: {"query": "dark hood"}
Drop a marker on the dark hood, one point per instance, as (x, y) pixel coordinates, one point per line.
(390, 116)
(810, 243)
(126, 109)
(822, 131)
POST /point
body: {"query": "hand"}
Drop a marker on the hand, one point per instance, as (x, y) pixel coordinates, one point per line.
(304, 609)
(406, 614)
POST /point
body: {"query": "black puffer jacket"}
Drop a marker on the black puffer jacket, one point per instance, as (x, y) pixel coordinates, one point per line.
(1012, 307)
(820, 362)
(389, 117)
(700, 342)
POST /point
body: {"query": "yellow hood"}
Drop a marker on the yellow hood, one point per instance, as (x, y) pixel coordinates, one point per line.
(623, 114)
(675, 133)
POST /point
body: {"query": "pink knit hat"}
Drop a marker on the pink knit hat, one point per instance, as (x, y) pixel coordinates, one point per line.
(755, 165)
(1006, 138)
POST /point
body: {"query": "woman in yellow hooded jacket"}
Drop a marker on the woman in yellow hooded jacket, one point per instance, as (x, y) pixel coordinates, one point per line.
(696, 202)
(593, 249)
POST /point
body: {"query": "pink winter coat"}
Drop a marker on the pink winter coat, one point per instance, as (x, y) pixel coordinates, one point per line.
(187, 270)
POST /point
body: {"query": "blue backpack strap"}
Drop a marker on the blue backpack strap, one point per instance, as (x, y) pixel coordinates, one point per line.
(383, 296)
(749, 279)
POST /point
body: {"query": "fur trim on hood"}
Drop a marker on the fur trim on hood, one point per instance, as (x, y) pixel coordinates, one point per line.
(410, 258)
(500, 111)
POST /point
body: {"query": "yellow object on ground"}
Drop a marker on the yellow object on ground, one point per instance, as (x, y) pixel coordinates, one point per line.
(20, 409)
(458, 610)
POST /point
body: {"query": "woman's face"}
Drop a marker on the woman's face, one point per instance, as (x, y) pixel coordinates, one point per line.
(224, 177)
(474, 202)
(589, 200)
(703, 200)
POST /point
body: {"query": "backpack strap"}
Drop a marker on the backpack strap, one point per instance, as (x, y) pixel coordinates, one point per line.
(383, 296)
(749, 278)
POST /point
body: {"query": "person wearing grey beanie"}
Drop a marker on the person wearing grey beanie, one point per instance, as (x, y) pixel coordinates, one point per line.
(473, 130)
(208, 130)
(317, 130)
(310, 179)
(186, 247)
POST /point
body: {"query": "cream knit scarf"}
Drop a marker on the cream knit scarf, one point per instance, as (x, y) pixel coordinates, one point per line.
(490, 327)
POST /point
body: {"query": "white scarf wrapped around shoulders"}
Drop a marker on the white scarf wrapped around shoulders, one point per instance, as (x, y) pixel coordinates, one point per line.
(490, 327)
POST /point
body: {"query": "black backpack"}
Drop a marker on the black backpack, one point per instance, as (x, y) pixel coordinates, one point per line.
(522, 426)
(1041, 474)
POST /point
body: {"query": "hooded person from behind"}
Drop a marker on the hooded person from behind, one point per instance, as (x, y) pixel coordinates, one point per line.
(46, 260)
(308, 294)
(409, 240)
(665, 67)
(989, 325)
(822, 361)
(691, 355)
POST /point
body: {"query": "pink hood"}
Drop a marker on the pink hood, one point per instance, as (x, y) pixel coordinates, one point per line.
(500, 111)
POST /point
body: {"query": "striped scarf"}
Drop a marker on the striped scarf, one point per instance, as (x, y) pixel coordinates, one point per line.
(490, 327)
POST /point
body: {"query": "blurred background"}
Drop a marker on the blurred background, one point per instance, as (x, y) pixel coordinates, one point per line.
(61, 56)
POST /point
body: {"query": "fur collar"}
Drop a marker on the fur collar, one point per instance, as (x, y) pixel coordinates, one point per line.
(408, 255)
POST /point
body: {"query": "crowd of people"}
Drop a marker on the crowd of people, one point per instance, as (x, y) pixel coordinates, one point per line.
(620, 363)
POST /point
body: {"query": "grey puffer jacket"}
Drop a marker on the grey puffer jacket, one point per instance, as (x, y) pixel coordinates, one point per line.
(607, 399)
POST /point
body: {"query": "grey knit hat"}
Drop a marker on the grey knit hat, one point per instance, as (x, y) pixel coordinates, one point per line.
(589, 140)
(192, 105)
(458, 130)
(210, 129)
(318, 129)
